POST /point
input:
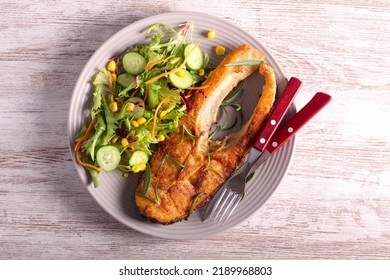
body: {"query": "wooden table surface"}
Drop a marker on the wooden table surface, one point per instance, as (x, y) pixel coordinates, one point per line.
(334, 202)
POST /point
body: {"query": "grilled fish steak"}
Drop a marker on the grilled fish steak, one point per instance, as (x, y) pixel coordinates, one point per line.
(186, 171)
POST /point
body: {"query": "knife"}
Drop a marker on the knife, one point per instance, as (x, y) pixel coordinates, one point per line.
(275, 142)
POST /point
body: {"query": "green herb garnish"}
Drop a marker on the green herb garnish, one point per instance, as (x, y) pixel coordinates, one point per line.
(208, 167)
(172, 159)
(188, 133)
(148, 176)
(245, 63)
(230, 101)
(155, 200)
(193, 203)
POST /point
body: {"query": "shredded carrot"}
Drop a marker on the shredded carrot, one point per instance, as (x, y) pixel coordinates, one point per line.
(84, 163)
(152, 64)
(163, 75)
(78, 144)
(192, 89)
(199, 87)
(189, 94)
(85, 136)
(173, 70)
(134, 92)
(155, 116)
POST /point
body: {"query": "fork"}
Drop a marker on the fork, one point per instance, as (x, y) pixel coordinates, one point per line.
(233, 191)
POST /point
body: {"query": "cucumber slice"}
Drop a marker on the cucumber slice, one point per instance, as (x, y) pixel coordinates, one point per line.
(108, 157)
(133, 63)
(125, 79)
(138, 157)
(182, 79)
(194, 56)
(138, 109)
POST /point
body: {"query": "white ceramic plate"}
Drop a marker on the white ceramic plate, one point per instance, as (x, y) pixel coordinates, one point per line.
(116, 194)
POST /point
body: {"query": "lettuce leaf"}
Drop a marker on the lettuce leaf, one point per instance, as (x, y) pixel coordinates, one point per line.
(102, 86)
(91, 144)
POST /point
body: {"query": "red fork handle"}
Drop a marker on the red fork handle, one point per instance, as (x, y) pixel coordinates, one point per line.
(277, 114)
(283, 134)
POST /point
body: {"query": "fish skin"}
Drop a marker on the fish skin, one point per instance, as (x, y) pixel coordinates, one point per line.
(204, 170)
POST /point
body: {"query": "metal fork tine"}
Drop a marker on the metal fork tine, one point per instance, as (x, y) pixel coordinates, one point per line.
(225, 199)
(237, 200)
(220, 196)
(226, 207)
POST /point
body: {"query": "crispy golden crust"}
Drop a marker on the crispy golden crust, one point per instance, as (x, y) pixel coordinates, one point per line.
(204, 171)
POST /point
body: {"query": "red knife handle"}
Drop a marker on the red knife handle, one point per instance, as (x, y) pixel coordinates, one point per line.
(277, 114)
(298, 121)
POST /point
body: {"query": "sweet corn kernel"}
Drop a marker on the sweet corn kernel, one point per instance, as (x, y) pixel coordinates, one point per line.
(134, 124)
(135, 169)
(211, 34)
(142, 166)
(114, 140)
(141, 120)
(181, 74)
(111, 66)
(138, 167)
(124, 142)
(163, 114)
(160, 137)
(113, 106)
(219, 50)
(130, 107)
(201, 72)
(113, 77)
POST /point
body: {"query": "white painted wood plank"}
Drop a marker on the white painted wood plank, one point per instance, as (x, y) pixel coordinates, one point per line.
(335, 199)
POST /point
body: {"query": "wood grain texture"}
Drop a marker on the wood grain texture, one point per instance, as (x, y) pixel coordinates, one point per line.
(334, 202)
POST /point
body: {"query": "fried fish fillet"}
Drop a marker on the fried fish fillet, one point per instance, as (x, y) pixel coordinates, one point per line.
(185, 171)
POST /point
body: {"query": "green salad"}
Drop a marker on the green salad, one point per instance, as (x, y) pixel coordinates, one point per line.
(138, 99)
